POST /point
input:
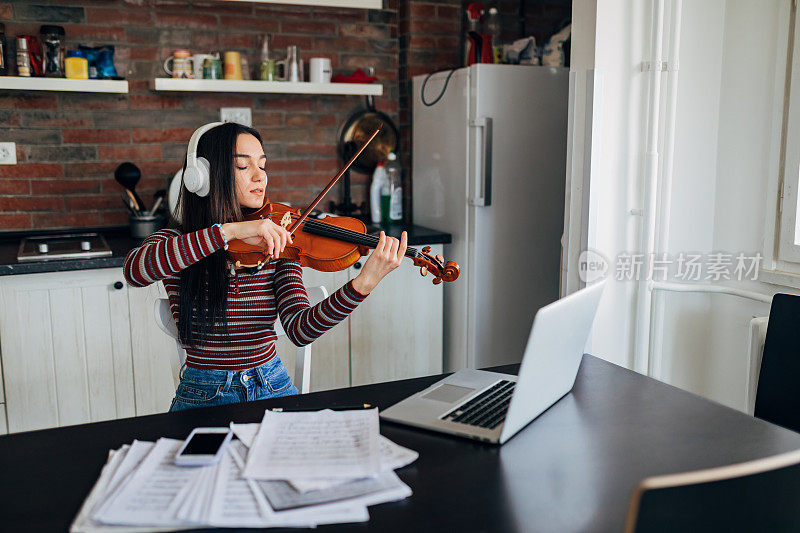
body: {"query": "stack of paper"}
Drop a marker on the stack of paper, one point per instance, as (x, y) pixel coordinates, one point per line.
(266, 478)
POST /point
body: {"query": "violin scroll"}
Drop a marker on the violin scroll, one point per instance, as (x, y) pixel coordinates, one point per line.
(441, 270)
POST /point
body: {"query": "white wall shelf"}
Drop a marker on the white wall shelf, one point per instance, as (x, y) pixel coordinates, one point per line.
(357, 4)
(22, 83)
(257, 86)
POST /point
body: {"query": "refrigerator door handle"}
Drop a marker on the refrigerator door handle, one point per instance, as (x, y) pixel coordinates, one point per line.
(483, 181)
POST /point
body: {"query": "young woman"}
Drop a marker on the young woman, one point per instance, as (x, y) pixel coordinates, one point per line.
(226, 316)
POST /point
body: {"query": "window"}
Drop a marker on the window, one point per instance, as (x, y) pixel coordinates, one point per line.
(782, 237)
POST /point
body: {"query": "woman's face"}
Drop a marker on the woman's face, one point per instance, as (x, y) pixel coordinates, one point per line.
(250, 172)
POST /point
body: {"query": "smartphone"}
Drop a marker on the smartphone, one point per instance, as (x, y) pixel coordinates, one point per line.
(204, 446)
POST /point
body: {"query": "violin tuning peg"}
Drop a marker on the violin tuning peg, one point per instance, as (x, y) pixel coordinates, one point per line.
(437, 281)
(440, 258)
(423, 271)
(238, 264)
(426, 249)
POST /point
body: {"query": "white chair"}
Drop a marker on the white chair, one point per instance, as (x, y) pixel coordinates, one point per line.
(302, 365)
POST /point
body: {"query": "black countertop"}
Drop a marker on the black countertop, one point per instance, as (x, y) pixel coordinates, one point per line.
(120, 242)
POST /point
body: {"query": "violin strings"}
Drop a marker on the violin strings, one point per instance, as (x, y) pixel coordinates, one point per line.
(330, 230)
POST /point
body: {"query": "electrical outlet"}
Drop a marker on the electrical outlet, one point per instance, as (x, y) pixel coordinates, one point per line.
(240, 115)
(8, 154)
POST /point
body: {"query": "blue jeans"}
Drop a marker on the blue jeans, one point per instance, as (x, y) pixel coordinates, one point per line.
(203, 388)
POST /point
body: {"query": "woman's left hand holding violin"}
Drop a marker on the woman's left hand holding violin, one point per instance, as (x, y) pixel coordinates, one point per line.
(387, 255)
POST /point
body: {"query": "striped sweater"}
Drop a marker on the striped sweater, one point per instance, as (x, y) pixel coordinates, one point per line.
(254, 300)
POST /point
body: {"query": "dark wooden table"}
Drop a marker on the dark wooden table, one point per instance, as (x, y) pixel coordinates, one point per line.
(572, 469)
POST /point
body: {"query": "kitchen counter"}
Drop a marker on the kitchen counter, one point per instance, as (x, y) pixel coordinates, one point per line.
(120, 242)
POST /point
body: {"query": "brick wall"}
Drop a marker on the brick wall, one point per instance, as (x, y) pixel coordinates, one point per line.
(429, 41)
(68, 144)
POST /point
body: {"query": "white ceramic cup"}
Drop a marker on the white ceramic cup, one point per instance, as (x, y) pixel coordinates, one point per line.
(197, 63)
(319, 70)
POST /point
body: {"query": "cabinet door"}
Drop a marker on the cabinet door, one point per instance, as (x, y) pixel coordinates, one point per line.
(153, 352)
(396, 333)
(66, 348)
(330, 354)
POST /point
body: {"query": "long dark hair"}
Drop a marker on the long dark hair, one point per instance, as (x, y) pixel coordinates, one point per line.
(203, 288)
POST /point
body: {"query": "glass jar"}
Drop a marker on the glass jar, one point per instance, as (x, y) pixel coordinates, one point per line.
(53, 50)
(23, 59)
(3, 58)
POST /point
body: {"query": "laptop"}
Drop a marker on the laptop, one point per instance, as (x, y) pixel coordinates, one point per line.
(493, 407)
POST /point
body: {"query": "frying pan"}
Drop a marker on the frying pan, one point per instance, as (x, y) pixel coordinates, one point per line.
(358, 128)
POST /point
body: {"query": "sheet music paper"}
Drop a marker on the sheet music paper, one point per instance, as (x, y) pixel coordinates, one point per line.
(245, 433)
(234, 503)
(282, 495)
(337, 444)
(141, 489)
(392, 457)
(338, 513)
(145, 498)
(112, 473)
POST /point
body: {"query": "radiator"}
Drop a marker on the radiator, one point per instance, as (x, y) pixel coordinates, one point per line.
(758, 334)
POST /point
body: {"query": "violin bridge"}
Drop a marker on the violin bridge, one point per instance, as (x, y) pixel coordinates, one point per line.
(286, 220)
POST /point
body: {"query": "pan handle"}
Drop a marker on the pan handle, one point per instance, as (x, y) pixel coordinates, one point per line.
(483, 176)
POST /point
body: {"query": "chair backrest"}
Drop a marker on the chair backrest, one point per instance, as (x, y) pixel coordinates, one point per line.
(778, 395)
(760, 495)
(302, 374)
(756, 339)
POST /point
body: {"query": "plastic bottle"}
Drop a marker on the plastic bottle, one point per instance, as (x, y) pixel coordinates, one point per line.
(394, 173)
(494, 28)
(474, 12)
(379, 180)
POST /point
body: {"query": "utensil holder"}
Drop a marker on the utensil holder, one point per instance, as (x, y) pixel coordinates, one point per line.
(144, 225)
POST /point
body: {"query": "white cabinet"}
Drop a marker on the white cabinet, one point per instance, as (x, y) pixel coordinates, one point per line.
(330, 354)
(152, 351)
(83, 346)
(396, 333)
(66, 348)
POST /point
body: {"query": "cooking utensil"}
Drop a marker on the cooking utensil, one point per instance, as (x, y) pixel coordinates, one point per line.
(127, 199)
(155, 205)
(143, 225)
(162, 194)
(358, 128)
(355, 131)
(128, 175)
(131, 199)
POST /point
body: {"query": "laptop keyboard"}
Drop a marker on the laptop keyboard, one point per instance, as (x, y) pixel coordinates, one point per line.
(486, 410)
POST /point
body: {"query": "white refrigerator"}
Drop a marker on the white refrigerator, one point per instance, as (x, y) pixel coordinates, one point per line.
(489, 167)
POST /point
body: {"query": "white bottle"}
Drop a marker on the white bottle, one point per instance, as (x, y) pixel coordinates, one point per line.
(379, 181)
(394, 173)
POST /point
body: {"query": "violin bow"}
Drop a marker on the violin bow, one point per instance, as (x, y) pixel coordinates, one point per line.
(321, 195)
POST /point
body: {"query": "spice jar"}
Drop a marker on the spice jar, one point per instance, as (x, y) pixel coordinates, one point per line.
(77, 66)
(23, 60)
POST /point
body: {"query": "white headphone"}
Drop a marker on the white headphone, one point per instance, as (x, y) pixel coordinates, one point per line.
(197, 176)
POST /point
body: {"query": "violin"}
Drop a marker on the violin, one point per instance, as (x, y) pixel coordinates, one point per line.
(329, 244)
